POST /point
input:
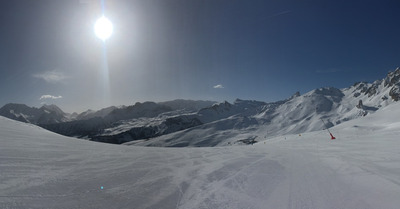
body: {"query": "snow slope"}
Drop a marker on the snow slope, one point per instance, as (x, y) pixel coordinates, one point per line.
(358, 170)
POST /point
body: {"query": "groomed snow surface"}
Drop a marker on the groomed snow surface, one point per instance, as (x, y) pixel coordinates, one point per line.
(360, 169)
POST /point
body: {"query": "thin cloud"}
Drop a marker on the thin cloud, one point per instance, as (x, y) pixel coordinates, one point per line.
(281, 13)
(47, 96)
(219, 86)
(51, 76)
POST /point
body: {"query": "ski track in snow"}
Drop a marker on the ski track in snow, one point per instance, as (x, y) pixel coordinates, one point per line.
(358, 170)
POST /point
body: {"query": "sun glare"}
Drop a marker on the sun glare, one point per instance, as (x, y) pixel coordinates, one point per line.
(103, 28)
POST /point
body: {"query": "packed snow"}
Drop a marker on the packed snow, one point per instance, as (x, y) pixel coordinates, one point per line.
(360, 169)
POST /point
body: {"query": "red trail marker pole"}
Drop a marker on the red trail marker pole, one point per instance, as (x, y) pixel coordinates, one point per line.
(332, 137)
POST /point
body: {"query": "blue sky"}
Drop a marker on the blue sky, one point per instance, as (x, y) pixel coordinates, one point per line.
(191, 49)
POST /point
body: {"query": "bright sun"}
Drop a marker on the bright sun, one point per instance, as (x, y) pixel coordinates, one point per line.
(103, 28)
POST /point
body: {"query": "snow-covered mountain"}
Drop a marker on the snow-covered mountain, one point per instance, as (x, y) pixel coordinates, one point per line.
(226, 123)
(127, 123)
(47, 114)
(88, 114)
(187, 105)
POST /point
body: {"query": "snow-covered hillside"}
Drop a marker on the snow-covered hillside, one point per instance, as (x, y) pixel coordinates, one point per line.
(359, 170)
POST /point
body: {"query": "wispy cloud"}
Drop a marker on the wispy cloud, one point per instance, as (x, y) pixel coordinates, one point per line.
(51, 76)
(281, 13)
(219, 86)
(47, 96)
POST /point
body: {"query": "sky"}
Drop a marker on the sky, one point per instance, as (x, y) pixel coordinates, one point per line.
(190, 49)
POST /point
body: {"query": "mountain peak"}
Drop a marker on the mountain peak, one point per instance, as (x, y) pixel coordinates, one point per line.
(52, 107)
(297, 94)
(392, 78)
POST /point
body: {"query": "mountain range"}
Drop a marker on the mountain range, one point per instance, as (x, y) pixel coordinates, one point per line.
(181, 123)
